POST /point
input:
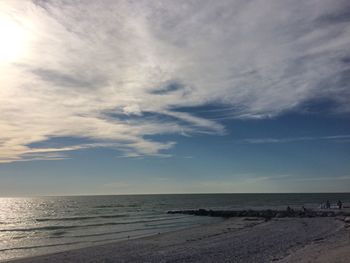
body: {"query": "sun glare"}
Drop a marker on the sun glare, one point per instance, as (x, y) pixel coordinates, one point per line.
(12, 40)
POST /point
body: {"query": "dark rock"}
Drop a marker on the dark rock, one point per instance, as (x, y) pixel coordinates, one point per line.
(266, 214)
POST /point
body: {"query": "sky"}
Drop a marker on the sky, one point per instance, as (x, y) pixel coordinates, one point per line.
(132, 97)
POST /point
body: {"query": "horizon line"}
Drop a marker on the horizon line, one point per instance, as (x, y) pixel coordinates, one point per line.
(239, 193)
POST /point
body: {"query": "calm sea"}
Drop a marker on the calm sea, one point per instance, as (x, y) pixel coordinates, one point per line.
(34, 226)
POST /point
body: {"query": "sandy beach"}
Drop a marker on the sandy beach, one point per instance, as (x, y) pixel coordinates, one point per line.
(234, 240)
(332, 248)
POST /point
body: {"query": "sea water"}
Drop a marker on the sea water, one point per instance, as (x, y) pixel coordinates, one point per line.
(40, 225)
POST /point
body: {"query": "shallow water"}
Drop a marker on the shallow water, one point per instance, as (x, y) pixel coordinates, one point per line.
(34, 226)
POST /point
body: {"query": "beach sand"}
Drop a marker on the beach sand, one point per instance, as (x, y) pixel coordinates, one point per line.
(333, 248)
(233, 240)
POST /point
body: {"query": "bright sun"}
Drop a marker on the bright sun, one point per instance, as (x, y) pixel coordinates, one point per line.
(13, 40)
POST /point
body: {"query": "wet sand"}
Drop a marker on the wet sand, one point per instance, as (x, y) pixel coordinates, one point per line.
(282, 240)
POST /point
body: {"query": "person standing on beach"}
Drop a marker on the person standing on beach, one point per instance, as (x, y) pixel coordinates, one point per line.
(328, 204)
(340, 204)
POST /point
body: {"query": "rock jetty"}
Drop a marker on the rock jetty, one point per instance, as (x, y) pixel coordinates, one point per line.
(266, 214)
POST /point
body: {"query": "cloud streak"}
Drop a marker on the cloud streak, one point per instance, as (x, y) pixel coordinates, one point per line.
(82, 60)
(341, 138)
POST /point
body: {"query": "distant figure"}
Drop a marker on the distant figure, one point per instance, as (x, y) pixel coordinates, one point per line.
(340, 204)
(289, 210)
(304, 209)
(328, 204)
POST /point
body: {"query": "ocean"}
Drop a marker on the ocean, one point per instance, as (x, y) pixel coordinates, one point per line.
(41, 225)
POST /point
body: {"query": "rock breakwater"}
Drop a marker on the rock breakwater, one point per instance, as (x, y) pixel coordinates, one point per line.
(267, 213)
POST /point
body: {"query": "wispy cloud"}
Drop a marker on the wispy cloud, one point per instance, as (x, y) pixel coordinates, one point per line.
(80, 60)
(296, 139)
(320, 179)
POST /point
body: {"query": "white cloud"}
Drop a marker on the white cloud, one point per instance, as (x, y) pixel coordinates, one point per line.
(341, 138)
(89, 69)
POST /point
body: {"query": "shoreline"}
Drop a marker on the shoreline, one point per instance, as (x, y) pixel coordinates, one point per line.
(244, 239)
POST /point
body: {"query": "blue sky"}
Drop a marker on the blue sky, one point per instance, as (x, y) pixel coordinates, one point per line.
(295, 152)
(115, 97)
